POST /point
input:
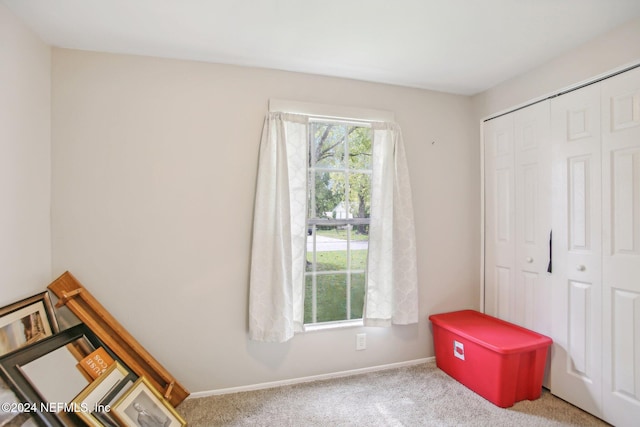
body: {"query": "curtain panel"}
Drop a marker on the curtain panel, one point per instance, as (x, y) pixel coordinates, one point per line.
(276, 294)
(391, 295)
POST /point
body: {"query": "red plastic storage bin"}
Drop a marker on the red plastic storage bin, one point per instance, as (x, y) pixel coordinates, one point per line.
(502, 362)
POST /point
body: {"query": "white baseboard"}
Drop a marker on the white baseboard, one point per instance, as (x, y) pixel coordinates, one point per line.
(301, 380)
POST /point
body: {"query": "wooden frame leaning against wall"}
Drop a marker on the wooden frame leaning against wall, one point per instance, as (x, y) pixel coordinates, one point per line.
(79, 301)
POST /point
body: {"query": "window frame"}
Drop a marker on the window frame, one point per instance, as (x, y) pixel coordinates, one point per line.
(313, 222)
(331, 112)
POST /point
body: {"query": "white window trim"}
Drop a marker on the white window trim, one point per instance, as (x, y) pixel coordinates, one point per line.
(338, 324)
(339, 112)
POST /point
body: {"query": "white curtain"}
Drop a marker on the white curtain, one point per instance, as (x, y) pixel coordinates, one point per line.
(392, 278)
(276, 295)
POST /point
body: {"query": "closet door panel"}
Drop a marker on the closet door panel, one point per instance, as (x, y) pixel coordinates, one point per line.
(499, 211)
(581, 315)
(576, 279)
(532, 217)
(517, 218)
(621, 247)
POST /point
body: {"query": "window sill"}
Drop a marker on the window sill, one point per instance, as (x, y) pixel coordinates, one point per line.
(313, 327)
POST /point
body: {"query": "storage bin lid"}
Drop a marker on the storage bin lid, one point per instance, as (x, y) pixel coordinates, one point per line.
(495, 334)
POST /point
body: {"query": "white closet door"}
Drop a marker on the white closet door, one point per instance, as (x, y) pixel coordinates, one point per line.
(517, 181)
(532, 217)
(576, 368)
(621, 248)
(499, 215)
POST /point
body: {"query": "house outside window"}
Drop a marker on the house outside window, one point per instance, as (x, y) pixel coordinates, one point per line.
(339, 205)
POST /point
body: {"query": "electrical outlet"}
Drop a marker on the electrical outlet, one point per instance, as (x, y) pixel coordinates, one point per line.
(361, 341)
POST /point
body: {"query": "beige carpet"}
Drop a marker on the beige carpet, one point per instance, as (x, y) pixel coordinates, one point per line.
(420, 395)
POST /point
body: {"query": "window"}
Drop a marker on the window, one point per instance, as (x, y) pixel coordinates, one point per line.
(331, 181)
(339, 205)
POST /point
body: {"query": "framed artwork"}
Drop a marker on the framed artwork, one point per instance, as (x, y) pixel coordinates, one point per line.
(26, 322)
(90, 399)
(143, 405)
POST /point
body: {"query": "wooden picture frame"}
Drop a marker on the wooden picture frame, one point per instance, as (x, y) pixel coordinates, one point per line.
(89, 399)
(143, 405)
(26, 322)
(79, 301)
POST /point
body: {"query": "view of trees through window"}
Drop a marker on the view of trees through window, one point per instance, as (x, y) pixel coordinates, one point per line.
(338, 220)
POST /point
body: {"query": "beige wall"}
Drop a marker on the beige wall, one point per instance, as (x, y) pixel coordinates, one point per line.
(613, 50)
(25, 163)
(154, 169)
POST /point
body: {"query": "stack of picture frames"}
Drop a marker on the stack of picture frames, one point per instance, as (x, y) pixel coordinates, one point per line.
(92, 373)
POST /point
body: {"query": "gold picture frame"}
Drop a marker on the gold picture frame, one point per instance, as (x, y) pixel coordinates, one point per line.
(26, 322)
(144, 405)
(86, 402)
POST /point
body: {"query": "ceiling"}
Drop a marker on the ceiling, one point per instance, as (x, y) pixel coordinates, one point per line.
(456, 46)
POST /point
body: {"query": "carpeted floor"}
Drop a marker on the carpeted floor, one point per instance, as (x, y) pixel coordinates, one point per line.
(420, 395)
